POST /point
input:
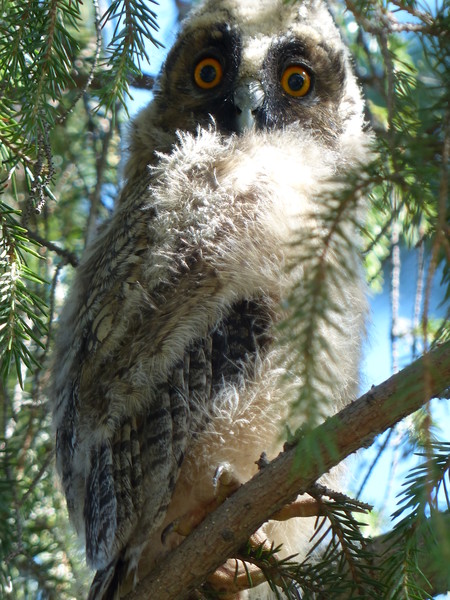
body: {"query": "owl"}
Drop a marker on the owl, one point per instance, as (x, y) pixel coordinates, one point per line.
(169, 366)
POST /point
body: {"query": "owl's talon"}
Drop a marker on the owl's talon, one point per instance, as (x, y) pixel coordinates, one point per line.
(225, 483)
(220, 473)
(171, 527)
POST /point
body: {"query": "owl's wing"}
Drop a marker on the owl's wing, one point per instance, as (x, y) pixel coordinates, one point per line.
(141, 467)
(136, 467)
(121, 424)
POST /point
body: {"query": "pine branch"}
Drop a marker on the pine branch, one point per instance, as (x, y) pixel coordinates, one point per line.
(384, 555)
(134, 22)
(356, 426)
(145, 81)
(22, 311)
(383, 21)
(383, 550)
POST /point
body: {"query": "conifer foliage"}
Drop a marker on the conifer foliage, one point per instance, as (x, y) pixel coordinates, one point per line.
(63, 96)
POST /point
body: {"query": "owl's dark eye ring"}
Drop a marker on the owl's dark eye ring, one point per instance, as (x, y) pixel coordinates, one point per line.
(296, 81)
(208, 73)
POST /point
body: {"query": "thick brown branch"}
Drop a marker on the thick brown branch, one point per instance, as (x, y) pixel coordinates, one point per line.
(227, 529)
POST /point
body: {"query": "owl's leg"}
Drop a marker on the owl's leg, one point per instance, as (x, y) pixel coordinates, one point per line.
(225, 483)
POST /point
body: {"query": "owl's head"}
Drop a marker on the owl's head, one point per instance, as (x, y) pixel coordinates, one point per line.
(252, 65)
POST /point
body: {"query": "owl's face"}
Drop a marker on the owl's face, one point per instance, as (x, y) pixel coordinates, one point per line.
(263, 68)
(251, 65)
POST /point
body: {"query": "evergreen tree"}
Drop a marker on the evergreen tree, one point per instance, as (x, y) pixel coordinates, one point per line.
(63, 93)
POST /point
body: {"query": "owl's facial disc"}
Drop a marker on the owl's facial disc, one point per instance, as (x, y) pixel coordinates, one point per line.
(248, 98)
(225, 74)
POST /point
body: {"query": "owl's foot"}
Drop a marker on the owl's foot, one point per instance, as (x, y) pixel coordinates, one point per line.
(234, 577)
(237, 574)
(225, 483)
(184, 524)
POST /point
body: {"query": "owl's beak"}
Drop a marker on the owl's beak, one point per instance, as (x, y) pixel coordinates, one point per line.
(248, 97)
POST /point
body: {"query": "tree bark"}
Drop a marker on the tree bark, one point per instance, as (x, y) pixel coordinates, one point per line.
(356, 426)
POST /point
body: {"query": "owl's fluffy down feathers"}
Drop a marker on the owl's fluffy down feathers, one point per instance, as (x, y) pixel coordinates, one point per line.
(212, 228)
(167, 362)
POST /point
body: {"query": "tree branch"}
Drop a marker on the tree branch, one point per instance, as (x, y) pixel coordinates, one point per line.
(356, 426)
(68, 256)
(82, 81)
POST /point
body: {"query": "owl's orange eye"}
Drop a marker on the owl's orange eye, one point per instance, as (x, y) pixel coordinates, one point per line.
(296, 81)
(208, 73)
